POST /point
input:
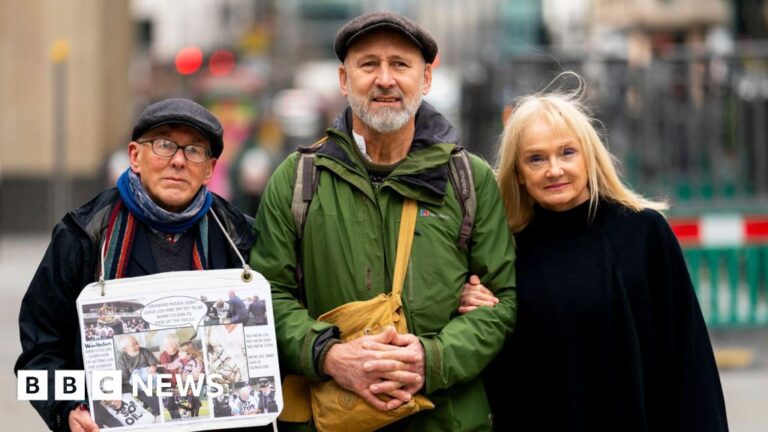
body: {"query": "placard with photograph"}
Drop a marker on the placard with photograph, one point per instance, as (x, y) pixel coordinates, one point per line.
(193, 350)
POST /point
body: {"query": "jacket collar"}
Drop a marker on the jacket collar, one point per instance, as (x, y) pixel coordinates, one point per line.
(93, 219)
(422, 175)
(239, 226)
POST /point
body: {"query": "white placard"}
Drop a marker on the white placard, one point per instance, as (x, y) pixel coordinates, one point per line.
(224, 370)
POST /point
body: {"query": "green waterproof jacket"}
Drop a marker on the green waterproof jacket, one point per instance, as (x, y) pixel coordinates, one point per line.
(348, 253)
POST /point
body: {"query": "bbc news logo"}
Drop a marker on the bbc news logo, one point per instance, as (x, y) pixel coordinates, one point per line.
(70, 385)
(33, 385)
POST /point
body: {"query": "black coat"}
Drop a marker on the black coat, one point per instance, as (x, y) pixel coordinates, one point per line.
(48, 323)
(609, 336)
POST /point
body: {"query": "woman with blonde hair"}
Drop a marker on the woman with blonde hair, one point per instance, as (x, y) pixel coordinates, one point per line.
(564, 115)
(609, 334)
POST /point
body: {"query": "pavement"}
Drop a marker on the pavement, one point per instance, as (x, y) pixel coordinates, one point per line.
(742, 356)
(744, 372)
(19, 257)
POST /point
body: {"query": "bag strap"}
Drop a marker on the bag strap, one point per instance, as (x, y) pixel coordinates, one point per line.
(305, 187)
(305, 181)
(404, 243)
(304, 184)
(463, 185)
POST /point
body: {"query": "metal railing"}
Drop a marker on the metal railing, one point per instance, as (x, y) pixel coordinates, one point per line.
(690, 128)
(731, 284)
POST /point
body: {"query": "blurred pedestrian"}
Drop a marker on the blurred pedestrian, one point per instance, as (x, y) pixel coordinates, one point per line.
(252, 169)
(609, 336)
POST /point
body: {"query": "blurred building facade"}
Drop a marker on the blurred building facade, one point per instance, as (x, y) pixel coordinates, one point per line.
(679, 84)
(63, 81)
(170, 25)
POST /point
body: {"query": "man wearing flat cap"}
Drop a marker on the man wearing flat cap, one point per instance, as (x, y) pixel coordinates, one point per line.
(157, 219)
(386, 147)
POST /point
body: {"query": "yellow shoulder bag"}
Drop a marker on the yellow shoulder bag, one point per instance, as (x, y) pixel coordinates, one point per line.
(335, 408)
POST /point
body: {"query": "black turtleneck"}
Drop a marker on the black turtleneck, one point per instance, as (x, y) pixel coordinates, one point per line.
(609, 333)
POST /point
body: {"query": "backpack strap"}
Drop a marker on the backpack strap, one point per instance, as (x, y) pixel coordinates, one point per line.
(304, 187)
(306, 180)
(304, 184)
(464, 187)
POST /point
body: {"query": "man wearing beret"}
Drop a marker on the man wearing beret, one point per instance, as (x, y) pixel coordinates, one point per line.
(157, 219)
(385, 147)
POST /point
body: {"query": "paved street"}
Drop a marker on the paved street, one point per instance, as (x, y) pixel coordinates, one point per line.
(19, 257)
(746, 389)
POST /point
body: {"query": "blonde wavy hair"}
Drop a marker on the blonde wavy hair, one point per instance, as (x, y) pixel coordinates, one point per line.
(564, 112)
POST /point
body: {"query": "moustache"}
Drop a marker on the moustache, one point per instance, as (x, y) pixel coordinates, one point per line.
(386, 93)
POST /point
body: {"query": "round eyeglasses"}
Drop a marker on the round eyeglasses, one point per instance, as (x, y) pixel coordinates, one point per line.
(166, 148)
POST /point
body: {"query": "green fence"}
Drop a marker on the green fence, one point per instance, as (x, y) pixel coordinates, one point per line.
(731, 284)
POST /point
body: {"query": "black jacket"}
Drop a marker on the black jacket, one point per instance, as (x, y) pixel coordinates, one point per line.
(48, 323)
(610, 336)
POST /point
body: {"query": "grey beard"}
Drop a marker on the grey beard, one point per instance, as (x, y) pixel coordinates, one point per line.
(386, 120)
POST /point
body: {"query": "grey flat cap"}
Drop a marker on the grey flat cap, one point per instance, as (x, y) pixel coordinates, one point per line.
(182, 111)
(385, 21)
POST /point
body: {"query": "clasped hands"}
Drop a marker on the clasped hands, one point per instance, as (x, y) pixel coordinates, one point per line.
(387, 363)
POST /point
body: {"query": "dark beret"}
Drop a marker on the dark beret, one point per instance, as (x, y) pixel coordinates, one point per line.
(181, 111)
(385, 21)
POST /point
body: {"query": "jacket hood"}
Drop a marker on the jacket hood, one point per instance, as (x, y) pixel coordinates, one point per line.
(431, 129)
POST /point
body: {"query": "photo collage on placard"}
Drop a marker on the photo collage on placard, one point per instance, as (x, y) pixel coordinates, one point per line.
(141, 349)
(115, 318)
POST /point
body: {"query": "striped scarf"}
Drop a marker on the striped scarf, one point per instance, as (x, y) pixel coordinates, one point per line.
(119, 242)
(136, 198)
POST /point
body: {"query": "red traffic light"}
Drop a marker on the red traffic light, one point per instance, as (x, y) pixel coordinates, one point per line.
(221, 63)
(189, 60)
